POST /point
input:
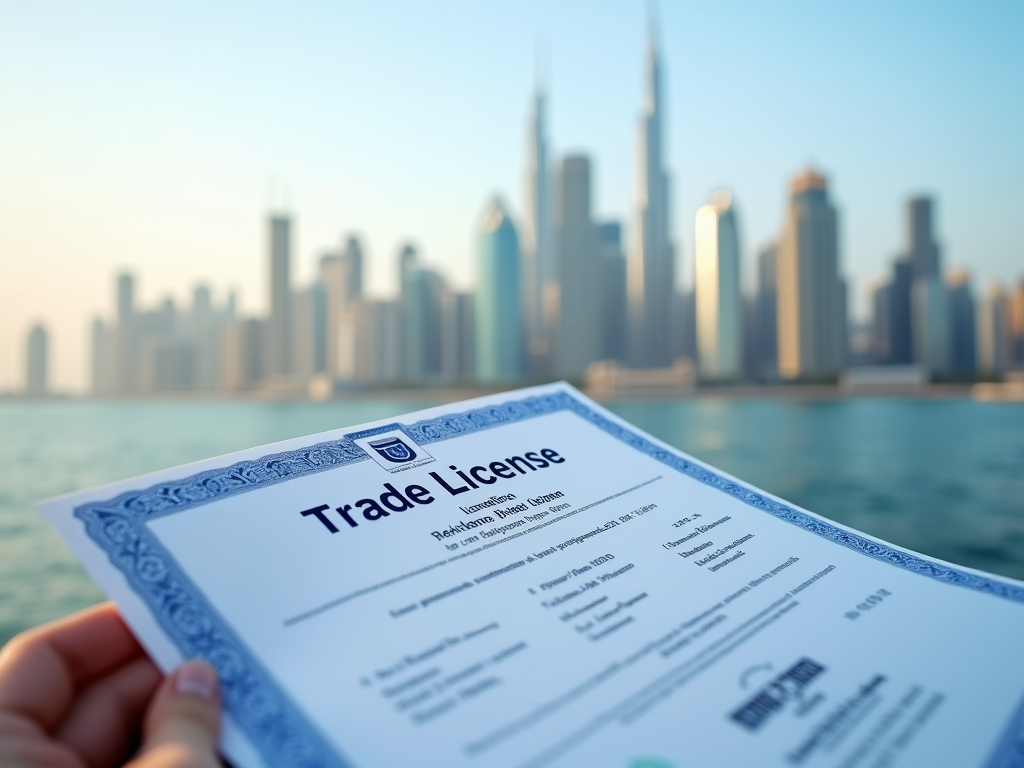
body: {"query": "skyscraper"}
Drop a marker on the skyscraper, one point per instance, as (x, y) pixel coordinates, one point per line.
(880, 296)
(309, 331)
(369, 347)
(765, 335)
(1015, 323)
(422, 296)
(651, 266)
(127, 335)
(923, 251)
(540, 276)
(962, 315)
(243, 349)
(992, 332)
(458, 340)
(930, 316)
(203, 326)
(498, 312)
(278, 329)
(901, 329)
(809, 301)
(420, 307)
(719, 303)
(104, 359)
(37, 355)
(342, 277)
(614, 310)
(579, 267)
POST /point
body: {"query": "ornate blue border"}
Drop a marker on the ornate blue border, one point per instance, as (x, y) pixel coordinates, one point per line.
(1009, 752)
(271, 721)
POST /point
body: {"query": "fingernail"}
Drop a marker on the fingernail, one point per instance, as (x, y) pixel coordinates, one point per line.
(196, 678)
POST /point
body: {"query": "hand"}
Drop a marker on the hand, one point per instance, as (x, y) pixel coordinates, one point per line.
(81, 693)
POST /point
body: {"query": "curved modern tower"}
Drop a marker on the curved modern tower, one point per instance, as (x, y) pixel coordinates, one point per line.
(499, 311)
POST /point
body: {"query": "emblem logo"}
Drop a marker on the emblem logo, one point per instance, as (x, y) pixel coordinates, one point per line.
(394, 449)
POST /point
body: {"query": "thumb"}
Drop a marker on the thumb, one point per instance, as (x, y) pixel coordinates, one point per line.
(181, 725)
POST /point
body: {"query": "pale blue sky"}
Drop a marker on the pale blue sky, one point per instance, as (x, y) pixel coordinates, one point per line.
(144, 136)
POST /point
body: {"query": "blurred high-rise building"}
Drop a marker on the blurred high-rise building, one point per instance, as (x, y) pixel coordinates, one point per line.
(1016, 325)
(166, 365)
(809, 302)
(930, 316)
(369, 343)
(103, 359)
(498, 310)
(421, 299)
(614, 311)
(684, 324)
(900, 326)
(719, 301)
(539, 270)
(166, 356)
(243, 345)
(922, 250)
(962, 331)
(765, 327)
(126, 354)
(993, 342)
(458, 337)
(310, 330)
(880, 301)
(845, 339)
(37, 362)
(341, 274)
(652, 258)
(579, 271)
(203, 331)
(278, 330)
(931, 324)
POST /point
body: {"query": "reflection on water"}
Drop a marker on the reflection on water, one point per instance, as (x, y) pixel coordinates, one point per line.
(942, 477)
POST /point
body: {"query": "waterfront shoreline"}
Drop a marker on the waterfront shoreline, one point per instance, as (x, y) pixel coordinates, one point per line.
(441, 395)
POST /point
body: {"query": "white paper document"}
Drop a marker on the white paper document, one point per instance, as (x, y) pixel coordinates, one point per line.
(524, 580)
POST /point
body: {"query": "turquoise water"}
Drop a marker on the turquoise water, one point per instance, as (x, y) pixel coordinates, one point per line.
(943, 477)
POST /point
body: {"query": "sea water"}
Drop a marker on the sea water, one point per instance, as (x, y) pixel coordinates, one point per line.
(943, 477)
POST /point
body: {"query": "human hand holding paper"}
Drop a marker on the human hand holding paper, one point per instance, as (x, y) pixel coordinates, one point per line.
(79, 691)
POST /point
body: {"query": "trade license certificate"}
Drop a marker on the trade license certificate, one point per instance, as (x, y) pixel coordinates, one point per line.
(524, 580)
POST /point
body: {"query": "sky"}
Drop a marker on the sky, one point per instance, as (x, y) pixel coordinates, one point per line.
(155, 137)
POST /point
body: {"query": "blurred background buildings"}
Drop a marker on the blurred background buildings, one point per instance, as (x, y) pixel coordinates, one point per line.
(562, 294)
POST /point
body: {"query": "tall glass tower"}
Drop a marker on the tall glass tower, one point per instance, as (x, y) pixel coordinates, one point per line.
(810, 310)
(719, 307)
(579, 269)
(499, 309)
(540, 276)
(651, 268)
(279, 320)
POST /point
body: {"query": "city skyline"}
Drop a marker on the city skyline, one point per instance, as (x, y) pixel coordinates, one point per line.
(330, 337)
(166, 242)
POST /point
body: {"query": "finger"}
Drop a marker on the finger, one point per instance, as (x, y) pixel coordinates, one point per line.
(183, 721)
(104, 723)
(22, 747)
(41, 669)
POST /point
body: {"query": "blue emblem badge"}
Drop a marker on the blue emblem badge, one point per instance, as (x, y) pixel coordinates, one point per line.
(393, 449)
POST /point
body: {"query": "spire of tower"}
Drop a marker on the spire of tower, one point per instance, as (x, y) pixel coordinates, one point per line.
(541, 65)
(653, 65)
(652, 27)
